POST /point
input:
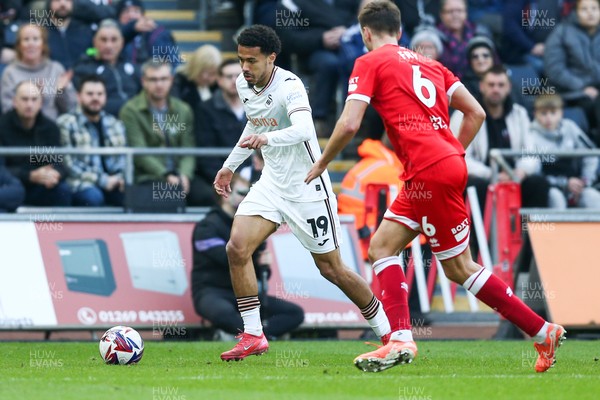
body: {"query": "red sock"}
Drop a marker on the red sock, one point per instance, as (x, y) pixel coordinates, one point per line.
(394, 291)
(495, 293)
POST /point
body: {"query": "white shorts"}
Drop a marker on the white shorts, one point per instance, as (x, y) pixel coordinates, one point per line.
(315, 224)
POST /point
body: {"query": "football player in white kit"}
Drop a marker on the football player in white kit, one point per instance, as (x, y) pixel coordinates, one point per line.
(280, 124)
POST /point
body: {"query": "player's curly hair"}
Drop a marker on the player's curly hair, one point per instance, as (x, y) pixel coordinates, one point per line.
(380, 16)
(260, 36)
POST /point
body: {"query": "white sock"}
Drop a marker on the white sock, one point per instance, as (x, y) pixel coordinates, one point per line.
(252, 324)
(379, 323)
(540, 337)
(475, 282)
(403, 335)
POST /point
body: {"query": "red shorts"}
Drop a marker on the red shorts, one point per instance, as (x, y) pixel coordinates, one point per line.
(432, 203)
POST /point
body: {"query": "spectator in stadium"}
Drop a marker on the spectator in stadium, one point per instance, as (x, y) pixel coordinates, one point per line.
(42, 171)
(506, 127)
(94, 179)
(195, 81)
(317, 44)
(427, 42)
(153, 118)
(572, 61)
(456, 31)
(32, 63)
(481, 55)
(212, 291)
(571, 178)
(222, 118)
(121, 78)
(144, 38)
(12, 192)
(68, 37)
(526, 27)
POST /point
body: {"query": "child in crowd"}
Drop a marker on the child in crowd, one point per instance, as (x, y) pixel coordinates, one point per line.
(570, 177)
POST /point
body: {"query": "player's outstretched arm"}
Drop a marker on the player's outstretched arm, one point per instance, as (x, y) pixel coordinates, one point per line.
(345, 129)
(474, 115)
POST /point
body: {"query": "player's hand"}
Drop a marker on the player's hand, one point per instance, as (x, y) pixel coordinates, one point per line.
(590, 92)
(63, 81)
(185, 183)
(538, 49)
(222, 181)
(173, 180)
(576, 185)
(113, 182)
(144, 24)
(316, 171)
(46, 176)
(333, 37)
(254, 141)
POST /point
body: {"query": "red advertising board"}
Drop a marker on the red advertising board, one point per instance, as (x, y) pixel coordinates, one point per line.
(64, 274)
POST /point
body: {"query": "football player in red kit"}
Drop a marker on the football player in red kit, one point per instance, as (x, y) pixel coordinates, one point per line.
(412, 94)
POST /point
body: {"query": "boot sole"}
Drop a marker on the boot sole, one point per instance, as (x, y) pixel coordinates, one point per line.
(373, 364)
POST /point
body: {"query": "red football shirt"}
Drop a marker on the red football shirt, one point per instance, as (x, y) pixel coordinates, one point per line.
(410, 92)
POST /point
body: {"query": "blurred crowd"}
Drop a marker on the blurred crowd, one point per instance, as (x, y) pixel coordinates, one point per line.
(94, 73)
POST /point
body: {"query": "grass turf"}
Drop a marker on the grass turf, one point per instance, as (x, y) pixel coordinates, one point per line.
(298, 370)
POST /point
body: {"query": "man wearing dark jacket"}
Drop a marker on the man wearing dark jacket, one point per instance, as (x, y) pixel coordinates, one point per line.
(122, 79)
(144, 38)
(212, 291)
(42, 171)
(68, 38)
(526, 26)
(12, 192)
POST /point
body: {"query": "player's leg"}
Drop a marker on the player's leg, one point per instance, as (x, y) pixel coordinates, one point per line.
(316, 225)
(389, 239)
(492, 291)
(450, 226)
(355, 288)
(247, 233)
(256, 219)
(240, 248)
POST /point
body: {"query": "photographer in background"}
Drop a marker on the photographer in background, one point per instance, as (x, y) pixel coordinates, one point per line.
(212, 292)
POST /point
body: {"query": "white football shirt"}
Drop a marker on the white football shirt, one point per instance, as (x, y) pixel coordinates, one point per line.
(287, 158)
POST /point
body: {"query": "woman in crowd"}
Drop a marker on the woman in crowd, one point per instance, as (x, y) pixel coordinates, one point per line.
(32, 63)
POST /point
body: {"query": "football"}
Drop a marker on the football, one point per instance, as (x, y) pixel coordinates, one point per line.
(121, 345)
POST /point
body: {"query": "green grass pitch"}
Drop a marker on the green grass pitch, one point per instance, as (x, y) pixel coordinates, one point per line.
(298, 370)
